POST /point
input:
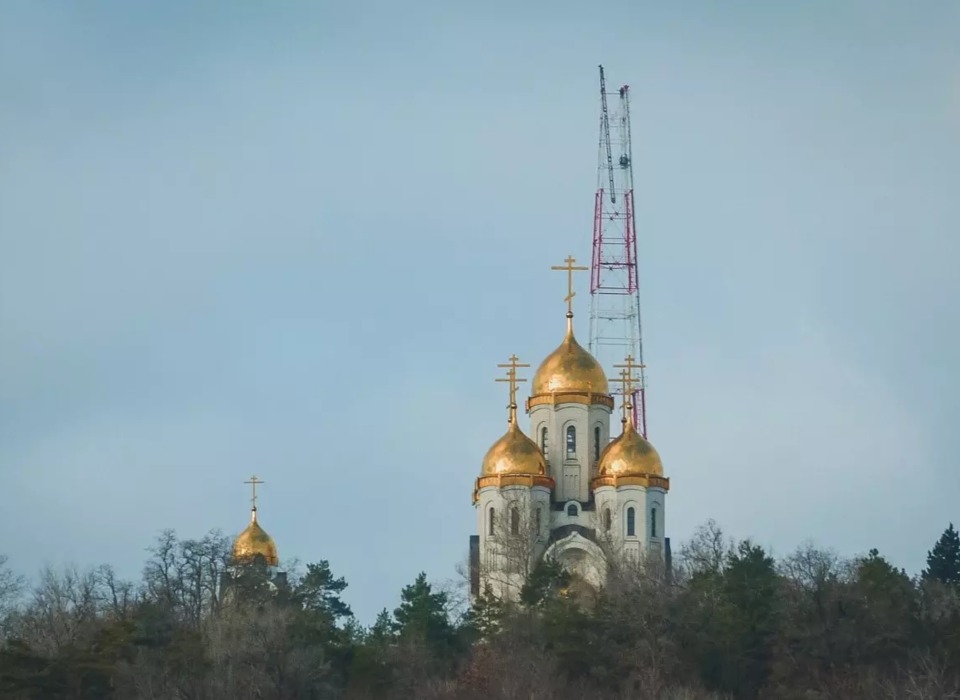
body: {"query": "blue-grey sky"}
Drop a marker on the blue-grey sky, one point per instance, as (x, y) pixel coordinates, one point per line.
(295, 239)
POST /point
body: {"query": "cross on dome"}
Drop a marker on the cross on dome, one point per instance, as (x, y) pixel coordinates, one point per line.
(570, 269)
(512, 365)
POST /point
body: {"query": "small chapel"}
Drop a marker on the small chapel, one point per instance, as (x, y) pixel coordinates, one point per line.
(569, 491)
(253, 549)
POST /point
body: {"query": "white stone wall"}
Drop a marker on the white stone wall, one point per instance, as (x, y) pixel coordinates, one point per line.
(507, 556)
(571, 470)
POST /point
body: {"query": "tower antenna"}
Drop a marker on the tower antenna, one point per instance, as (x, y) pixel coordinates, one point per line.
(615, 326)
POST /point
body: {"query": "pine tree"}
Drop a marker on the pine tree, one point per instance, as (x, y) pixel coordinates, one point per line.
(943, 561)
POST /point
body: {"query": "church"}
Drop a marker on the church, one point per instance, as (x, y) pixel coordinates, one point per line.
(572, 492)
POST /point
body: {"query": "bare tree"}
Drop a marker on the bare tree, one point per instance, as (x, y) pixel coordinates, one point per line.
(63, 610)
(11, 588)
(518, 539)
(185, 575)
(707, 551)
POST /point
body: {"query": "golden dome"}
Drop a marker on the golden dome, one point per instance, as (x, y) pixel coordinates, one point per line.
(570, 368)
(254, 542)
(629, 455)
(514, 453)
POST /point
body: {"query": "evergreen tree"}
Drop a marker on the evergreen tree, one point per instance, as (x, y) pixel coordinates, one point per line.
(943, 561)
(545, 582)
(422, 616)
(422, 612)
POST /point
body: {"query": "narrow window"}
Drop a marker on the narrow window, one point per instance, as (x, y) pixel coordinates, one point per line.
(572, 510)
(571, 440)
(538, 522)
(596, 443)
(631, 522)
(490, 522)
(543, 440)
(607, 520)
(514, 521)
(653, 522)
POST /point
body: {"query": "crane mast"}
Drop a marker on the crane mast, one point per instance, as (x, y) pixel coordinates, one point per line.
(615, 325)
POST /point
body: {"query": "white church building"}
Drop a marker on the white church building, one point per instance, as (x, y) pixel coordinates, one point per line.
(568, 491)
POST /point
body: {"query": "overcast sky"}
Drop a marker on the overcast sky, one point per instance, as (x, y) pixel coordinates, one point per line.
(295, 239)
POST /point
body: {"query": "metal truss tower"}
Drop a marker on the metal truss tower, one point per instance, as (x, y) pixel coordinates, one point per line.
(615, 327)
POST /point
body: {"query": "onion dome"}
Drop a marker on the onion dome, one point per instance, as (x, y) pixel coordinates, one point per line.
(255, 542)
(514, 453)
(629, 455)
(570, 369)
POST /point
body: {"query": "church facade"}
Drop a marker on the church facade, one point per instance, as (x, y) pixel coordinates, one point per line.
(571, 490)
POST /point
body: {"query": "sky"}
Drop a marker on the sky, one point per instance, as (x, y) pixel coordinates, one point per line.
(295, 240)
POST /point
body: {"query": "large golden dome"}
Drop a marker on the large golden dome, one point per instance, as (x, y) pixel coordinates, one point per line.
(629, 455)
(514, 453)
(570, 368)
(254, 542)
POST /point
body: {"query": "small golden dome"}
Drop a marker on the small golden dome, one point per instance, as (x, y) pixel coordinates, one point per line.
(254, 542)
(629, 455)
(514, 453)
(570, 368)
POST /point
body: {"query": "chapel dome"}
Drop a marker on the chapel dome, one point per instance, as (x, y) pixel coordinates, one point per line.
(514, 453)
(570, 368)
(254, 542)
(629, 455)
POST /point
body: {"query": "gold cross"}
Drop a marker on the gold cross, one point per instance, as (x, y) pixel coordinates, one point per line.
(569, 267)
(629, 367)
(514, 380)
(626, 380)
(253, 482)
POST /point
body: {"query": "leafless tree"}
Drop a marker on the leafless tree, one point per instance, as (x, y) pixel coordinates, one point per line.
(186, 574)
(11, 588)
(513, 549)
(63, 609)
(706, 551)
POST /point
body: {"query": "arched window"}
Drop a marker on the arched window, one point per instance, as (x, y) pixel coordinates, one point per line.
(653, 521)
(490, 521)
(571, 440)
(514, 521)
(631, 522)
(607, 519)
(539, 526)
(543, 440)
(596, 443)
(572, 510)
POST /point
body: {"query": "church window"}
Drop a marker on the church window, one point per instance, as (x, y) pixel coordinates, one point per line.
(539, 526)
(572, 510)
(653, 522)
(607, 519)
(543, 440)
(514, 521)
(571, 440)
(596, 443)
(490, 521)
(631, 522)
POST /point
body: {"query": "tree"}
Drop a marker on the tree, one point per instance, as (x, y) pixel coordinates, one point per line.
(544, 583)
(943, 561)
(422, 612)
(11, 586)
(319, 593)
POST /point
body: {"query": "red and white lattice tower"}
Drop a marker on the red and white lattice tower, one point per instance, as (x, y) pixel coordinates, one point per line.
(615, 328)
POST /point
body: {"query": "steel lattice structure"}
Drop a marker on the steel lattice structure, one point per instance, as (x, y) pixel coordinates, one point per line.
(615, 326)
